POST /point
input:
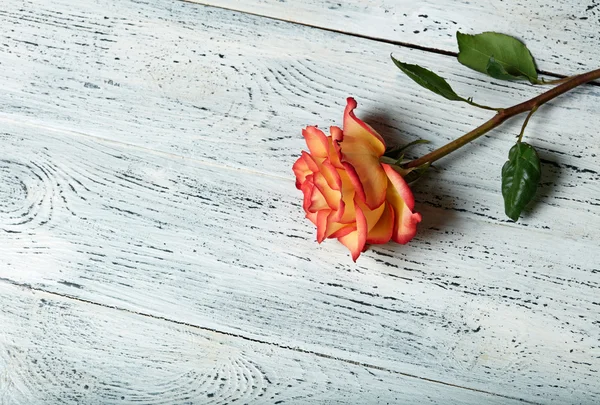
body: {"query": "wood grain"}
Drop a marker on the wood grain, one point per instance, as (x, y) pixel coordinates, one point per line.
(230, 251)
(58, 350)
(277, 82)
(562, 35)
(132, 179)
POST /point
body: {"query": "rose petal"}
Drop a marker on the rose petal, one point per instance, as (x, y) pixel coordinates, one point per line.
(310, 162)
(382, 232)
(332, 197)
(312, 216)
(316, 141)
(372, 216)
(301, 170)
(361, 147)
(337, 215)
(307, 190)
(331, 175)
(402, 200)
(334, 147)
(349, 214)
(337, 229)
(313, 198)
(347, 198)
(343, 231)
(400, 185)
(317, 201)
(369, 180)
(355, 241)
(357, 128)
(322, 224)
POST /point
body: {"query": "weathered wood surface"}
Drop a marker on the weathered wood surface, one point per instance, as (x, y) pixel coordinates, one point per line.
(60, 350)
(134, 179)
(563, 35)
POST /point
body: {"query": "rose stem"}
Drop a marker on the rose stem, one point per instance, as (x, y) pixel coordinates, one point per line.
(503, 115)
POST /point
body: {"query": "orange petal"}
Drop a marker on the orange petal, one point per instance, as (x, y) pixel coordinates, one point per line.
(334, 147)
(337, 229)
(361, 147)
(337, 215)
(312, 216)
(343, 231)
(332, 197)
(355, 241)
(317, 201)
(307, 189)
(313, 198)
(322, 224)
(368, 178)
(401, 199)
(357, 129)
(310, 162)
(332, 190)
(316, 141)
(301, 170)
(372, 216)
(400, 186)
(382, 232)
(331, 175)
(349, 214)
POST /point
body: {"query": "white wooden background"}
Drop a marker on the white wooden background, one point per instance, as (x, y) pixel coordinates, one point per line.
(153, 247)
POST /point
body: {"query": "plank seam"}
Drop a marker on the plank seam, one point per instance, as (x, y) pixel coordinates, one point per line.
(362, 36)
(259, 341)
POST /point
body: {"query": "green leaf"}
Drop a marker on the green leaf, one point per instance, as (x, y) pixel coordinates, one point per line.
(520, 177)
(515, 60)
(429, 80)
(497, 71)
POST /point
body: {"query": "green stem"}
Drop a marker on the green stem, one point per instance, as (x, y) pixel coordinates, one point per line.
(503, 115)
(534, 109)
(484, 107)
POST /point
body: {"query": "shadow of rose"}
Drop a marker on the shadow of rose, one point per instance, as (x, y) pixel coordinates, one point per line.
(436, 203)
(388, 127)
(436, 207)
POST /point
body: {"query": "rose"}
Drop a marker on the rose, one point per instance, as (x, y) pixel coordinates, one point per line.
(348, 193)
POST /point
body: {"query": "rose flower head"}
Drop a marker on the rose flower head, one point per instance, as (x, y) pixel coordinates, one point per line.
(348, 193)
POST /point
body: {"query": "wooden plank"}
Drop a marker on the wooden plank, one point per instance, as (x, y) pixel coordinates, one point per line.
(119, 85)
(131, 179)
(228, 250)
(562, 35)
(58, 350)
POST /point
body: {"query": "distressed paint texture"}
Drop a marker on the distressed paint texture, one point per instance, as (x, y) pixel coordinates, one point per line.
(563, 35)
(146, 193)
